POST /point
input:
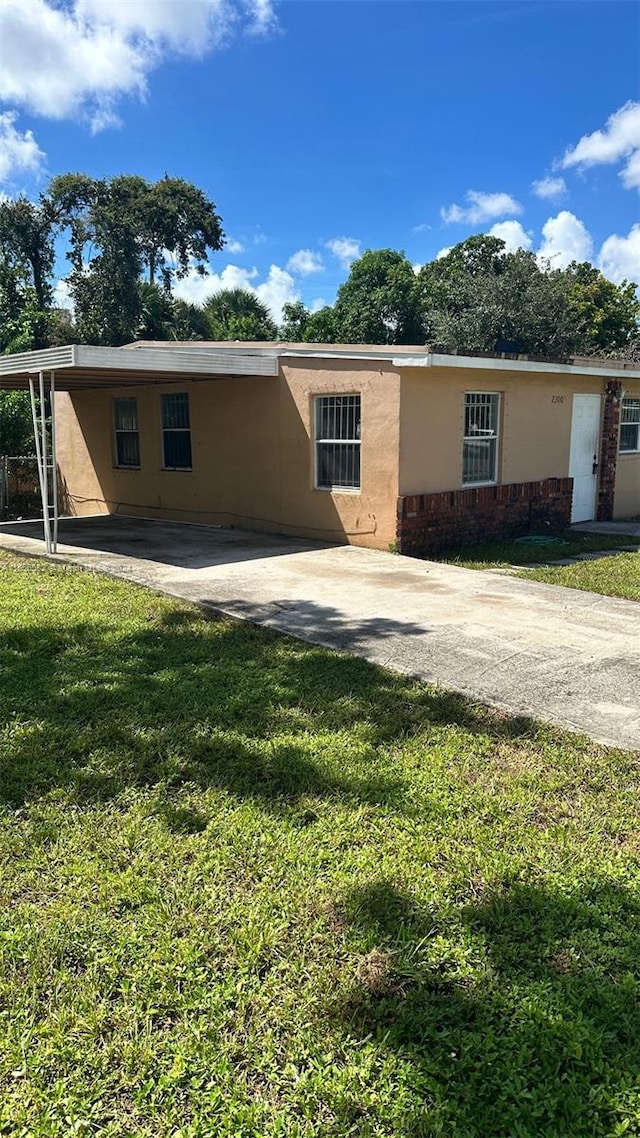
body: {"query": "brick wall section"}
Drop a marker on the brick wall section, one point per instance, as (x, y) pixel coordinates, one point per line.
(431, 523)
(609, 450)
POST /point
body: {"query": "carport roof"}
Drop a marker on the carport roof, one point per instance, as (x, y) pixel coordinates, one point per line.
(82, 366)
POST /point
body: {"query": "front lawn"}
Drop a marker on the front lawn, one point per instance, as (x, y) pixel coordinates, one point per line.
(253, 889)
(614, 576)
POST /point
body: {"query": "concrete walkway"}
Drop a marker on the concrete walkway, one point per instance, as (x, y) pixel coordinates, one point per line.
(565, 656)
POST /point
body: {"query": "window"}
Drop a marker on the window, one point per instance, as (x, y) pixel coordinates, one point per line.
(176, 432)
(480, 447)
(337, 431)
(630, 427)
(125, 413)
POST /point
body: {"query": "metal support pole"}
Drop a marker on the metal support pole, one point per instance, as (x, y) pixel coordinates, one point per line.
(37, 423)
(45, 463)
(54, 461)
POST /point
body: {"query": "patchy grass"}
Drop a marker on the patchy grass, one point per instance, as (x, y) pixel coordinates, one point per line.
(505, 554)
(617, 576)
(252, 888)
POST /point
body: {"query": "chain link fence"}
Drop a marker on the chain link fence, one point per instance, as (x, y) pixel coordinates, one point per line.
(19, 488)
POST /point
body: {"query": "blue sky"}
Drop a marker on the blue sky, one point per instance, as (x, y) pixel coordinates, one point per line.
(324, 128)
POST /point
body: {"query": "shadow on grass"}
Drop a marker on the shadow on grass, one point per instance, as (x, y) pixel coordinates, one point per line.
(97, 709)
(540, 1036)
(543, 553)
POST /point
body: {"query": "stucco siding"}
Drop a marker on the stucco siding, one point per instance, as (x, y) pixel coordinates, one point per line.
(252, 447)
(534, 433)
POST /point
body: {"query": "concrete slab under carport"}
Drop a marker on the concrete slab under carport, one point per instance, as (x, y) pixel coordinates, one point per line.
(569, 657)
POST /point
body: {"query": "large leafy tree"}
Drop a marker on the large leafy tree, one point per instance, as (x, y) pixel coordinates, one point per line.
(379, 303)
(302, 326)
(27, 231)
(121, 228)
(238, 314)
(479, 297)
(607, 313)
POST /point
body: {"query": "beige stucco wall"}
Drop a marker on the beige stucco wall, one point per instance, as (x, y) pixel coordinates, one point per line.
(535, 424)
(252, 454)
(627, 497)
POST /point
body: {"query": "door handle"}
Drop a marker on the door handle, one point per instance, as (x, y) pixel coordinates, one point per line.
(595, 463)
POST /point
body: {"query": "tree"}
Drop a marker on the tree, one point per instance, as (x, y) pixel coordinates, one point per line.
(379, 303)
(238, 314)
(321, 327)
(119, 228)
(176, 216)
(16, 424)
(27, 245)
(479, 296)
(295, 320)
(189, 321)
(607, 313)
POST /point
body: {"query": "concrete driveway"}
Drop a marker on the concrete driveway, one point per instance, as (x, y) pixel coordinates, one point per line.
(568, 657)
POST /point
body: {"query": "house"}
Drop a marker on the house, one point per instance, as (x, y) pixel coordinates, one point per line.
(411, 447)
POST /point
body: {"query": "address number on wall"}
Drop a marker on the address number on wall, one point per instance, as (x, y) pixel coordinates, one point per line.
(557, 398)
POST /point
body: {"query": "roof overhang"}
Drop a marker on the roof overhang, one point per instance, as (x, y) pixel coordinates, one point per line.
(618, 369)
(80, 366)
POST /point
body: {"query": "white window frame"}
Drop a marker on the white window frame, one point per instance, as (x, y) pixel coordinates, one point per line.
(123, 431)
(634, 423)
(317, 442)
(497, 395)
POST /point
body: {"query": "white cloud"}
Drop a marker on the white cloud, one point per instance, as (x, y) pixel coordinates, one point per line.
(620, 139)
(233, 246)
(416, 266)
(443, 252)
(19, 151)
(277, 289)
(345, 249)
(481, 207)
(421, 228)
(317, 304)
(564, 239)
(619, 257)
(305, 262)
(513, 234)
(61, 296)
(549, 187)
(80, 58)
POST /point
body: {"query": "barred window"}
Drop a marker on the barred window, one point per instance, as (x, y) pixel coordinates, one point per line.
(176, 432)
(480, 446)
(630, 425)
(125, 417)
(337, 438)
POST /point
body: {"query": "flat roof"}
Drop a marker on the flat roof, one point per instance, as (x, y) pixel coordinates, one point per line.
(418, 355)
(81, 366)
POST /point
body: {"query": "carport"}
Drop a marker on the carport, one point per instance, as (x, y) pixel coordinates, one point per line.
(77, 367)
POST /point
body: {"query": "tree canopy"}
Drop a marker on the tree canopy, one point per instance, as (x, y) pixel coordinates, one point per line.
(129, 242)
(238, 314)
(477, 297)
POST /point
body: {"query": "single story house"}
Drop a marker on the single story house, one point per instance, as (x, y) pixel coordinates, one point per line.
(412, 448)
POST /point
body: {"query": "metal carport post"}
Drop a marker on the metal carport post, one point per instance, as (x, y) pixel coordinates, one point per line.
(39, 414)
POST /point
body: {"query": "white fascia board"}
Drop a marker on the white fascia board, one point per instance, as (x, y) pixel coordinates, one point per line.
(30, 363)
(487, 363)
(182, 361)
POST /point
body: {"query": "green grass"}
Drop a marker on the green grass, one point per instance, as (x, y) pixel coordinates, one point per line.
(250, 888)
(504, 554)
(615, 576)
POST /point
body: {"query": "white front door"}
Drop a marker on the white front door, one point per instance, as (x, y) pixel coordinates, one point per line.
(583, 456)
